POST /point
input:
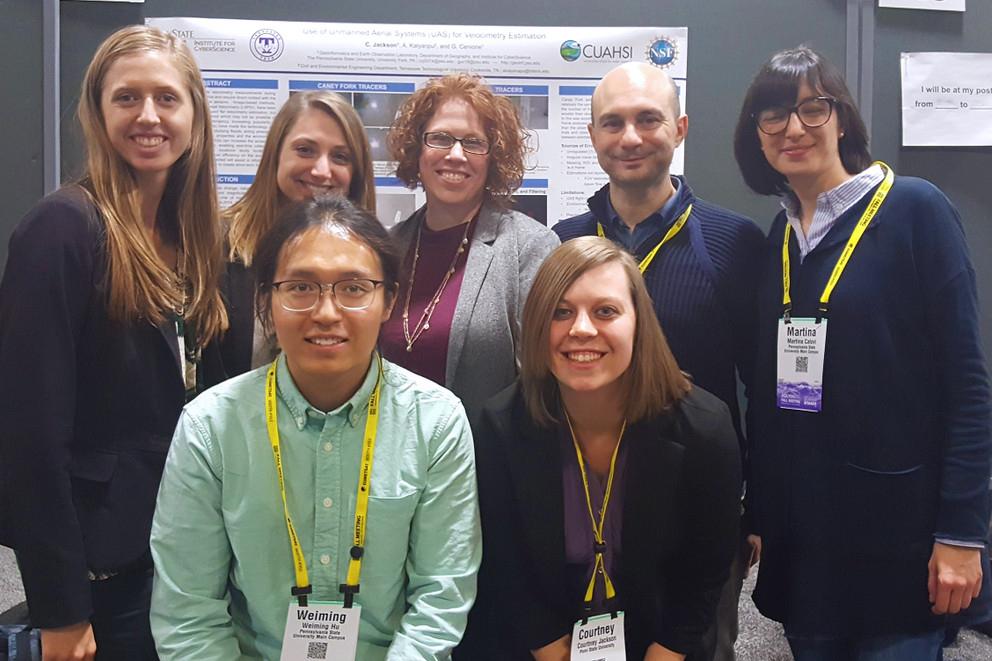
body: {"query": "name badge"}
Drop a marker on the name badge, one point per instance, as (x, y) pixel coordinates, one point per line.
(321, 631)
(599, 639)
(802, 343)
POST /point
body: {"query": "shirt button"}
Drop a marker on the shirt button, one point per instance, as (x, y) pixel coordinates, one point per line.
(328, 446)
(325, 559)
(327, 502)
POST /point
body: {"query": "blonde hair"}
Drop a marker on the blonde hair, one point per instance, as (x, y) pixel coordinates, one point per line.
(653, 377)
(251, 217)
(499, 116)
(139, 284)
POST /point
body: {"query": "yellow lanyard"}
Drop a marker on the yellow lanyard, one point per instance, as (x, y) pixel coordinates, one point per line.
(669, 235)
(599, 547)
(350, 587)
(852, 243)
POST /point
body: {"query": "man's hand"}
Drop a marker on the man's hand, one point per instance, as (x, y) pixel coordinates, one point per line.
(955, 577)
(72, 643)
(754, 541)
(660, 653)
(560, 650)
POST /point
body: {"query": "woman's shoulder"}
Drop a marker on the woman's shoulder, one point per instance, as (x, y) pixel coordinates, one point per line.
(705, 415)
(67, 213)
(521, 224)
(63, 227)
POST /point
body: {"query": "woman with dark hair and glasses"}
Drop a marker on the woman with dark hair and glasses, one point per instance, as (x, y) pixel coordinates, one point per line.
(469, 259)
(871, 443)
(328, 499)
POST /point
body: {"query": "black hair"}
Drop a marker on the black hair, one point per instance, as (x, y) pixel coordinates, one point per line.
(777, 84)
(322, 211)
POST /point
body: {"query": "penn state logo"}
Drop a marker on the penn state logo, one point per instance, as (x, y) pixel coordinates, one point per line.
(266, 45)
(570, 50)
(662, 52)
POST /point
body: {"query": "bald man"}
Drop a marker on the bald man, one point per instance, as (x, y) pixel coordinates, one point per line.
(702, 279)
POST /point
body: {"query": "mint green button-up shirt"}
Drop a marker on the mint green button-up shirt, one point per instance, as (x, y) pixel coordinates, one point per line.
(223, 565)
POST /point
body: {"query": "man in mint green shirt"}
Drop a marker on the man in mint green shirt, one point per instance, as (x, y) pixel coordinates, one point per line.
(224, 565)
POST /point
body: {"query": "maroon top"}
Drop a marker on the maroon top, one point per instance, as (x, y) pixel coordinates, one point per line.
(429, 356)
(579, 540)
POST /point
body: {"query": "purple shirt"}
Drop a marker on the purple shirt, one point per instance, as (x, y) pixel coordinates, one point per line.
(429, 356)
(579, 540)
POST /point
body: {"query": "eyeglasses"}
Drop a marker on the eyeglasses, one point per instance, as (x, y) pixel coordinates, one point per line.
(304, 295)
(811, 112)
(470, 145)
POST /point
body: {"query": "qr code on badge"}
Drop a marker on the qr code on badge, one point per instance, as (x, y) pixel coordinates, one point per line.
(802, 364)
(317, 651)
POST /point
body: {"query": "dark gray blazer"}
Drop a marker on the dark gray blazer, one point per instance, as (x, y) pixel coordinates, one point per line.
(506, 250)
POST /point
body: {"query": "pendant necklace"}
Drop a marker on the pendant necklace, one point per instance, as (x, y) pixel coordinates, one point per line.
(425, 318)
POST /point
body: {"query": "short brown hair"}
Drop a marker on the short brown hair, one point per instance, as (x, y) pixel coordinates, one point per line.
(777, 84)
(654, 378)
(504, 131)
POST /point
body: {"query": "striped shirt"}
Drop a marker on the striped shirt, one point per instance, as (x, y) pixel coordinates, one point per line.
(830, 205)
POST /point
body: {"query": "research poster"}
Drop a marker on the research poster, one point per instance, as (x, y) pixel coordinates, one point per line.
(946, 99)
(251, 67)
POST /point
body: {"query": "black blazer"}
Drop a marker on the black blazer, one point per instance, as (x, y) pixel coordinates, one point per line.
(88, 408)
(238, 290)
(680, 520)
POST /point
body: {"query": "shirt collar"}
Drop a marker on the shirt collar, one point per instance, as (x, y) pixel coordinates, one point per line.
(659, 217)
(300, 408)
(840, 198)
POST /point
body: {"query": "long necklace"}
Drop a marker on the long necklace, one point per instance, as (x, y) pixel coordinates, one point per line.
(425, 318)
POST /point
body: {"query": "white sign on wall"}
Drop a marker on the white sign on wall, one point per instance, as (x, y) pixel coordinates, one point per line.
(251, 67)
(936, 5)
(946, 99)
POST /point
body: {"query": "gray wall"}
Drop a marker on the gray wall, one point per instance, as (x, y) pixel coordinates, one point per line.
(728, 40)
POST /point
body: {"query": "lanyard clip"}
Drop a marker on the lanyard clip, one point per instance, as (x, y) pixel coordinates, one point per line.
(349, 592)
(301, 594)
(821, 313)
(787, 315)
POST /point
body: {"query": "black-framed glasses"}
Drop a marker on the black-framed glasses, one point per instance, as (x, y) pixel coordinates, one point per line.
(470, 145)
(304, 295)
(812, 113)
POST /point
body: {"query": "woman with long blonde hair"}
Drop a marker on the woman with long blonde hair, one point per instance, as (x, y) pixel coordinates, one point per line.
(316, 146)
(108, 298)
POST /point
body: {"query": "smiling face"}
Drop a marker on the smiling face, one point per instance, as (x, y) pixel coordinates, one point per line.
(314, 158)
(636, 128)
(454, 180)
(147, 113)
(591, 339)
(806, 156)
(328, 349)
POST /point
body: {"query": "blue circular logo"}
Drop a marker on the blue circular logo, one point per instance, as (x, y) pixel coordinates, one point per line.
(662, 52)
(570, 50)
(266, 45)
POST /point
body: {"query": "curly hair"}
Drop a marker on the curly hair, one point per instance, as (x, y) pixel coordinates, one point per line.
(504, 131)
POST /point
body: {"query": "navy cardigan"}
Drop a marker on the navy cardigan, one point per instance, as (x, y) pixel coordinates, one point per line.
(849, 500)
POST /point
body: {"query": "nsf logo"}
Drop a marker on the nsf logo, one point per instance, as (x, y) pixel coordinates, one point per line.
(266, 45)
(662, 52)
(570, 50)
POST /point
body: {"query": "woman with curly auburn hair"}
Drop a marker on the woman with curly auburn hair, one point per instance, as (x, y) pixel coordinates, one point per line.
(109, 294)
(469, 259)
